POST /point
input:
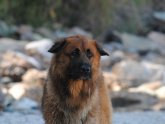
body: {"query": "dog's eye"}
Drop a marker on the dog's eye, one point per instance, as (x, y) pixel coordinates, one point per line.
(75, 53)
(89, 53)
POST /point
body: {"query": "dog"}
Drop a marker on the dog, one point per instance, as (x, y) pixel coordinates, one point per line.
(75, 92)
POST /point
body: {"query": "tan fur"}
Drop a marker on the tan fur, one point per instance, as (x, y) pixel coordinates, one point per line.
(75, 87)
(88, 101)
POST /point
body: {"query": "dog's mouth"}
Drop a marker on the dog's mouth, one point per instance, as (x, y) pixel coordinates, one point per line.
(80, 72)
(81, 76)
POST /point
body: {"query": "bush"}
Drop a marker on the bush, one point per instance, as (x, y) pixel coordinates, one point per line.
(92, 15)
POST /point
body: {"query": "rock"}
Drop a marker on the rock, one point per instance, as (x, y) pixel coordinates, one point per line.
(14, 65)
(25, 32)
(60, 34)
(6, 30)
(105, 61)
(34, 81)
(17, 90)
(31, 90)
(112, 82)
(19, 59)
(24, 104)
(5, 98)
(137, 44)
(45, 32)
(39, 49)
(115, 57)
(10, 44)
(148, 88)
(160, 93)
(138, 72)
(159, 39)
(159, 16)
(160, 106)
(79, 31)
(155, 58)
(33, 75)
(129, 101)
(109, 36)
(5, 80)
(31, 87)
(70, 32)
(13, 74)
(114, 46)
(2, 99)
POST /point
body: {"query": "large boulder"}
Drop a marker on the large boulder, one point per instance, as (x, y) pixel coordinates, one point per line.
(10, 44)
(39, 50)
(135, 43)
(130, 101)
(138, 72)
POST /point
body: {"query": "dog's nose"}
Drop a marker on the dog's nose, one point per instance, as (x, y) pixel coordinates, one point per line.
(85, 68)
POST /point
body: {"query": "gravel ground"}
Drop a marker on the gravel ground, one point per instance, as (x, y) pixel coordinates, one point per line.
(139, 118)
(119, 118)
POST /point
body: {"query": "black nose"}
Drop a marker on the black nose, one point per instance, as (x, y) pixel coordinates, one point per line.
(85, 68)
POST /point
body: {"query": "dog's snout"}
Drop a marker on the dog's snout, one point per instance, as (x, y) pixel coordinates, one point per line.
(85, 68)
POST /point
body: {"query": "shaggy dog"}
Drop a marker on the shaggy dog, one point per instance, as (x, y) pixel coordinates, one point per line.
(75, 92)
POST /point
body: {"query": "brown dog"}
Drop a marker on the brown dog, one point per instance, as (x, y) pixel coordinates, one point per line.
(75, 92)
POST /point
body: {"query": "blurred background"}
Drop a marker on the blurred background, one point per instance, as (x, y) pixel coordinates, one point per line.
(133, 31)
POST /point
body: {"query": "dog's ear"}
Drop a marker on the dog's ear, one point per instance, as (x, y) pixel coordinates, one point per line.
(101, 50)
(58, 46)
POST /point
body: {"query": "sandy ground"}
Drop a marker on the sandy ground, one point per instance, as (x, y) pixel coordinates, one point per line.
(118, 118)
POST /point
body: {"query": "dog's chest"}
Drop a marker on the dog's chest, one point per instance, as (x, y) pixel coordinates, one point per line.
(78, 117)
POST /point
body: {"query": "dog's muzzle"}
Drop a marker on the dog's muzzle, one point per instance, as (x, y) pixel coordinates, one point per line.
(85, 70)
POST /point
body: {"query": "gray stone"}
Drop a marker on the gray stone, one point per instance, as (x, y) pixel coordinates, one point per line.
(159, 39)
(6, 30)
(5, 80)
(14, 65)
(71, 32)
(159, 16)
(10, 44)
(26, 33)
(45, 32)
(19, 59)
(34, 75)
(131, 101)
(135, 43)
(2, 99)
(40, 47)
(24, 104)
(32, 90)
(79, 31)
(155, 58)
(139, 118)
(138, 72)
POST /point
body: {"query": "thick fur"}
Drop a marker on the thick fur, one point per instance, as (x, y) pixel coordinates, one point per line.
(75, 101)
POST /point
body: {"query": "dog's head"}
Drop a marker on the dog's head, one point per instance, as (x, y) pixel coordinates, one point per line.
(79, 55)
